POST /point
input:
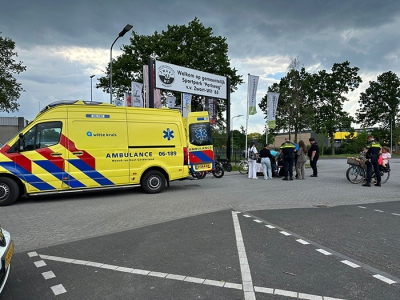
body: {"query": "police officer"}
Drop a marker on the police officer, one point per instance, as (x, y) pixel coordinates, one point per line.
(372, 155)
(288, 149)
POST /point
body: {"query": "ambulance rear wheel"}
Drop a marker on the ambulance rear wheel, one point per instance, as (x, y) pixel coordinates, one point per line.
(153, 182)
(9, 191)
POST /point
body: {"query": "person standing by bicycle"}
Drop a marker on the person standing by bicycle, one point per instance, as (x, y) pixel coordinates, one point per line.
(252, 155)
(372, 155)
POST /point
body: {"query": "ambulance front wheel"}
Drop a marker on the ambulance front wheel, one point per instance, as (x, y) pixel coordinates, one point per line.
(153, 182)
(9, 191)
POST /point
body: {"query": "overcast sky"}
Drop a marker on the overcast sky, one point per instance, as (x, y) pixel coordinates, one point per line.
(62, 43)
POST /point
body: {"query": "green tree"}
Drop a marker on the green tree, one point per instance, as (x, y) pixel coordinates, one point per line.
(192, 46)
(327, 95)
(10, 89)
(379, 104)
(293, 115)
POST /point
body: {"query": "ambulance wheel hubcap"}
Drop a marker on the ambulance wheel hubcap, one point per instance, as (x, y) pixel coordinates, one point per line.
(154, 182)
(4, 191)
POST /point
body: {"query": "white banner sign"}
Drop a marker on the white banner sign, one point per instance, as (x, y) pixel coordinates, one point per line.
(185, 80)
(272, 105)
(137, 99)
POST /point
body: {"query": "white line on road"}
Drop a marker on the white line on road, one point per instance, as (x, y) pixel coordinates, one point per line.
(48, 275)
(323, 252)
(58, 289)
(285, 233)
(302, 242)
(349, 263)
(384, 279)
(223, 284)
(247, 282)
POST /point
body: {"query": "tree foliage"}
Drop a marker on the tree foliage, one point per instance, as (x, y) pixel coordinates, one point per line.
(293, 115)
(10, 89)
(379, 104)
(192, 46)
(327, 96)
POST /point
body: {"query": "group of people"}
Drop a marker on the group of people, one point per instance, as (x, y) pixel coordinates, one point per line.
(288, 156)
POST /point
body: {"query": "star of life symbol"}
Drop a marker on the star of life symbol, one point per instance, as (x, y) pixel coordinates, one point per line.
(201, 133)
(168, 134)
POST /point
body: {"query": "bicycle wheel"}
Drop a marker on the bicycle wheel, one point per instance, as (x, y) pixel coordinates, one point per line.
(385, 176)
(243, 167)
(228, 167)
(355, 174)
(218, 171)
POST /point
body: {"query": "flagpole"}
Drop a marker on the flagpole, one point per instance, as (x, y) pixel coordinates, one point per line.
(247, 115)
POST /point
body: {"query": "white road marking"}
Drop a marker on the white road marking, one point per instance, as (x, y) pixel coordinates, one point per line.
(285, 233)
(395, 214)
(247, 216)
(58, 289)
(48, 275)
(32, 254)
(349, 263)
(302, 242)
(257, 221)
(40, 263)
(384, 279)
(362, 207)
(285, 293)
(323, 252)
(270, 226)
(378, 210)
(230, 285)
(247, 281)
(310, 297)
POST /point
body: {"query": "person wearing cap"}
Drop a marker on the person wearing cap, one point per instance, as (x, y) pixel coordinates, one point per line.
(372, 155)
(313, 154)
(288, 149)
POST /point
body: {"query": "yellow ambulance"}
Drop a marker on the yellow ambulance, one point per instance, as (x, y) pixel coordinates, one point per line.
(78, 145)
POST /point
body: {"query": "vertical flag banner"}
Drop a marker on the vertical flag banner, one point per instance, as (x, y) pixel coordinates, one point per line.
(272, 104)
(157, 98)
(186, 104)
(211, 107)
(146, 83)
(157, 92)
(252, 91)
(137, 99)
(128, 99)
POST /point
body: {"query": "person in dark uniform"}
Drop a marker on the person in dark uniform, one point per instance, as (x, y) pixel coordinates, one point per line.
(372, 155)
(313, 154)
(288, 149)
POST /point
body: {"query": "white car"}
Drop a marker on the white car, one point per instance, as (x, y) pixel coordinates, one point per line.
(6, 253)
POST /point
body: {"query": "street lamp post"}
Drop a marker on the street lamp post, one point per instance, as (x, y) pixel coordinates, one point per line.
(232, 129)
(91, 88)
(121, 34)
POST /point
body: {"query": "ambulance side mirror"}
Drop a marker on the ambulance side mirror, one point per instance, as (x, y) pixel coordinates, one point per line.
(21, 142)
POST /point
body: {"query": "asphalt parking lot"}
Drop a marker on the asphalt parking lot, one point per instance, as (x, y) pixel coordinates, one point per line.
(322, 238)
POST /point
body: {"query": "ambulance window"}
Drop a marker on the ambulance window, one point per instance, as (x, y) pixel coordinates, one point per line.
(200, 134)
(41, 136)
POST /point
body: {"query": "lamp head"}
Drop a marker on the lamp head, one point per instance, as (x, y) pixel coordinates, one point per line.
(125, 30)
(92, 76)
